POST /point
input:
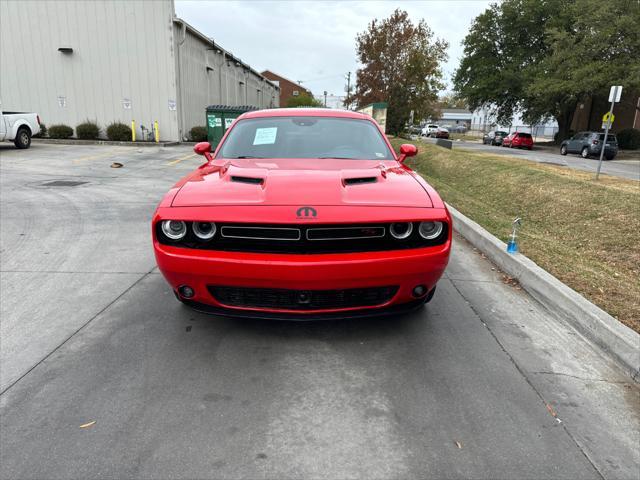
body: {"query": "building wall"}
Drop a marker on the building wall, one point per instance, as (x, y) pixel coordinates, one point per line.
(287, 87)
(209, 75)
(131, 61)
(122, 56)
(588, 114)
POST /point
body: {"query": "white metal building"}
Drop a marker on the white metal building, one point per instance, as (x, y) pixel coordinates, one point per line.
(109, 60)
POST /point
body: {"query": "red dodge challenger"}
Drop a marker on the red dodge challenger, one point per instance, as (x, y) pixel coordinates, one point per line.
(303, 214)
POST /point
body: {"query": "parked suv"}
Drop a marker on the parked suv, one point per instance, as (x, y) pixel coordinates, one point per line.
(519, 140)
(590, 143)
(494, 137)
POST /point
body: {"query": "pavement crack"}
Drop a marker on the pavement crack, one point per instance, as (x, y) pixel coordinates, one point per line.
(562, 374)
(546, 404)
(78, 330)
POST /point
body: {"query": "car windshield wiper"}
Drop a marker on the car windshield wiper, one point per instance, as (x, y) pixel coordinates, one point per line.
(245, 156)
(340, 158)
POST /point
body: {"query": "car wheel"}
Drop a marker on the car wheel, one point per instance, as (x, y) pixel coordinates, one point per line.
(511, 145)
(609, 157)
(585, 152)
(529, 148)
(23, 138)
(563, 150)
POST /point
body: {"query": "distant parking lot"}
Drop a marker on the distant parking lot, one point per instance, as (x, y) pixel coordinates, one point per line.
(618, 168)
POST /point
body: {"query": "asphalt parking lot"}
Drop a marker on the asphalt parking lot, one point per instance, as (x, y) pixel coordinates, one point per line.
(482, 383)
(618, 168)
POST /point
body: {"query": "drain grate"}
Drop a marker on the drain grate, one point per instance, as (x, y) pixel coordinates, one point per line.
(63, 183)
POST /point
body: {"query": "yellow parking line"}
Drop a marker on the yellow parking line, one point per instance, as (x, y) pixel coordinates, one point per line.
(95, 157)
(178, 160)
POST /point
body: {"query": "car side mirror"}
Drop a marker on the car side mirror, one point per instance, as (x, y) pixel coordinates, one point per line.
(407, 150)
(203, 148)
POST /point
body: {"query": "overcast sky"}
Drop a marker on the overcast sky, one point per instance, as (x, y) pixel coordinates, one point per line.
(314, 41)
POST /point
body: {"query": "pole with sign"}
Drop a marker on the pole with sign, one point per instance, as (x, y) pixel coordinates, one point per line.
(607, 121)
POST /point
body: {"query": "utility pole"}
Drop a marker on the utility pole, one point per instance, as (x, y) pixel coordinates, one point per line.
(348, 99)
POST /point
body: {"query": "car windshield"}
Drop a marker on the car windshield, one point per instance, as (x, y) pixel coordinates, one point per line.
(524, 135)
(502, 134)
(305, 137)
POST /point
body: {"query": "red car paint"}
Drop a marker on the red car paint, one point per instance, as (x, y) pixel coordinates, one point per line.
(208, 194)
(518, 140)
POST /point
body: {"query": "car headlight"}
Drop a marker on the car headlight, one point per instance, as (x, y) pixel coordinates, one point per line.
(204, 230)
(401, 230)
(174, 229)
(430, 230)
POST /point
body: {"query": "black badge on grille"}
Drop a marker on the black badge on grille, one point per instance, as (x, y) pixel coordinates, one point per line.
(304, 298)
(306, 213)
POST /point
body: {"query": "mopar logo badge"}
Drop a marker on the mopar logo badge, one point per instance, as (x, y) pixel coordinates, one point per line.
(306, 213)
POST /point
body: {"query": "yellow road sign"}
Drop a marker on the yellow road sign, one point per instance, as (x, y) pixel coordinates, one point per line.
(608, 117)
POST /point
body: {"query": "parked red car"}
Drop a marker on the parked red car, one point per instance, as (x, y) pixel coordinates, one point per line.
(442, 133)
(518, 140)
(302, 213)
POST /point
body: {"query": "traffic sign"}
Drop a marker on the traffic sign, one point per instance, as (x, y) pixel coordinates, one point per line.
(607, 120)
(615, 93)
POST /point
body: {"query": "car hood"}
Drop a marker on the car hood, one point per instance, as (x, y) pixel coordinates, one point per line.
(292, 182)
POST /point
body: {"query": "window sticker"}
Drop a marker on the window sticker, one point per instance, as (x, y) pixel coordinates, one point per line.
(265, 136)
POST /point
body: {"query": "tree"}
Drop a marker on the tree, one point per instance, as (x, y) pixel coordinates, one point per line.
(303, 100)
(401, 66)
(449, 100)
(542, 57)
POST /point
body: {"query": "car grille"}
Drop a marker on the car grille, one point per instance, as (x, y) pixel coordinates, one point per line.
(285, 299)
(305, 239)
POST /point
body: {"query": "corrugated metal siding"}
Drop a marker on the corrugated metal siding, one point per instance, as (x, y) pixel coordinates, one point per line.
(226, 84)
(120, 50)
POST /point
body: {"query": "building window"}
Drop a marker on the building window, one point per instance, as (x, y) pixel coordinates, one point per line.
(296, 93)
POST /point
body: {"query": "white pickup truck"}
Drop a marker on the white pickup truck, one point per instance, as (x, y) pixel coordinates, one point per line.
(18, 127)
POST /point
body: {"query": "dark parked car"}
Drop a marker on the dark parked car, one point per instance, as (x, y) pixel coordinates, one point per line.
(494, 137)
(590, 143)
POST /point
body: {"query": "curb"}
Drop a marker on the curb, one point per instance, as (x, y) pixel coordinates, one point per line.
(616, 340)
(61, 141)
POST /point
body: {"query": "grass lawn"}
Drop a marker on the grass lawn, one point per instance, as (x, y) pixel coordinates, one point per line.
(584, 232)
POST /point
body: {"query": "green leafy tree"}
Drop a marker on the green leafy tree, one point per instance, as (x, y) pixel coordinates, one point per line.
(542, 57)
(401, 66)
(303, 101)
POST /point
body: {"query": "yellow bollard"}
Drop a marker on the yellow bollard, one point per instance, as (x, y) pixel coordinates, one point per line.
(156, 131)
(133, 130)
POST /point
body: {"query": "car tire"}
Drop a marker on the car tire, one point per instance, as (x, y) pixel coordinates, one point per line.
(584, 152)
(23, 138)
(609, 157)
(529, 148)
(563, 150)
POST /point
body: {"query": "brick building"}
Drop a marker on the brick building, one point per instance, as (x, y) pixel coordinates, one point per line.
(588, 115)
(288, 88)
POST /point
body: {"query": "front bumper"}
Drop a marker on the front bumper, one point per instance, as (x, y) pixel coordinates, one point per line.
(200, 269)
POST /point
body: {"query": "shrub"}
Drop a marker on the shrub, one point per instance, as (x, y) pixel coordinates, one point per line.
(88, 131)
(60, 131)
(43, 131)
(629, 139)
(198, 134)
(119, 132)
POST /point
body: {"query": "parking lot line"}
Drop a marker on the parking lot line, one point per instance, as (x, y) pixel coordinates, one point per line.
(178, 160)
(95, 157)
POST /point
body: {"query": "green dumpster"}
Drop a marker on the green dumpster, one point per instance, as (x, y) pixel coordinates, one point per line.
(219, 118)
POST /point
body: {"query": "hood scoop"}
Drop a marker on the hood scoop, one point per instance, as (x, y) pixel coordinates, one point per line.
(359, 180)
(249, 180)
